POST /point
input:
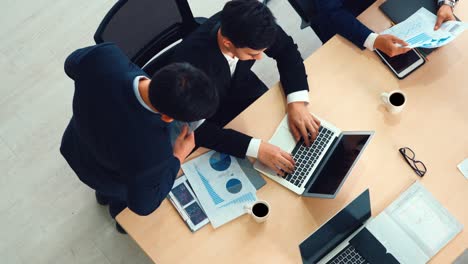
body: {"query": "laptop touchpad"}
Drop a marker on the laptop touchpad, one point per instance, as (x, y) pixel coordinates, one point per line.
(283, 138)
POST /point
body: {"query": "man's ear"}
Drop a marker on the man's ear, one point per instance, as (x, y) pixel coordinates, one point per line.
(227, 43)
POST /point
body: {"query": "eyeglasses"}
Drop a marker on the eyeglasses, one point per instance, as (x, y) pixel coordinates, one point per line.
(418, 167)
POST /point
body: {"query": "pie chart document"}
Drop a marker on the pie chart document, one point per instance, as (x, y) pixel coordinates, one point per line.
(221, 186)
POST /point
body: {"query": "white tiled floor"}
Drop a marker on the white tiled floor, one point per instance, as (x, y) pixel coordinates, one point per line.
(46, 214)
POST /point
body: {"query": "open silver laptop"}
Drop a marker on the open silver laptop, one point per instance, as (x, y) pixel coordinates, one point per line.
(411, 231)
(322, 168)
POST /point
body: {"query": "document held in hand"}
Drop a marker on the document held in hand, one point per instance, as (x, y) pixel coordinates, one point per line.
(418, 30)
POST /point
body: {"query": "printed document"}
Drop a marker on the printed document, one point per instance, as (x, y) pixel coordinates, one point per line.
(418, 30)
(424, 219)
(463, 167)
(221, 186)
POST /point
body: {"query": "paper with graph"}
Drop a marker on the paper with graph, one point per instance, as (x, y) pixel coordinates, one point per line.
(221, 186)
(418, 30)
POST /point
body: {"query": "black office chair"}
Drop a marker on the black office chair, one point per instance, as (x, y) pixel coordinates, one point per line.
(310, 16)
(143, 28)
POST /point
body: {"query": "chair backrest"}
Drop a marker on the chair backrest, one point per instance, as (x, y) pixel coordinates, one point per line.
(142, 28)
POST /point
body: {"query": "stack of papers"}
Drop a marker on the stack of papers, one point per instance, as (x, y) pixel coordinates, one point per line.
(418, 30)
(221, 186)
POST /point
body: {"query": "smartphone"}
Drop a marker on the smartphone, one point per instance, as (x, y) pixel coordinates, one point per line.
(404, 64)
(176, 127)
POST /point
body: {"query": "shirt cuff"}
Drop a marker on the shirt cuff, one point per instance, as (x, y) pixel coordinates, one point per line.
(299, 96)
(370, 40)
(254, 146)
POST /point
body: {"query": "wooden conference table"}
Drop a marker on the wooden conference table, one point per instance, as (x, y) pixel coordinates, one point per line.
(345, 86)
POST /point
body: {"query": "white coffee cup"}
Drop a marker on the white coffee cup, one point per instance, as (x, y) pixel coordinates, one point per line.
(394, 101)
(259, 210)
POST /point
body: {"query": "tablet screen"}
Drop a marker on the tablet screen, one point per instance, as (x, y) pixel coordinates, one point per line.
(401, 62)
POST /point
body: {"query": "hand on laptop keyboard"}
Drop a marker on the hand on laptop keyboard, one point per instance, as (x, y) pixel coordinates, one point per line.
(302, 123)
(275, 158)
(306, 157)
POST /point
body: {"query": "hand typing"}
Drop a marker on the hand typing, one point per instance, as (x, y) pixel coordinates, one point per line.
(302, 122)
(275, 158)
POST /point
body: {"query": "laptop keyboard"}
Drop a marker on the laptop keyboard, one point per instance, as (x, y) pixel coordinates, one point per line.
(306, 157)
(349, 255)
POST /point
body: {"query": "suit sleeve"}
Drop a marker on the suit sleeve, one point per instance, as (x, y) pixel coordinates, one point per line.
(74, 61)
(212, 136)
(148, 189)
(334, 18)
(291, 68)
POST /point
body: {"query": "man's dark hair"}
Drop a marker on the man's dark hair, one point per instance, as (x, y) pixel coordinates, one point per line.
(248, 24)
(183, 92)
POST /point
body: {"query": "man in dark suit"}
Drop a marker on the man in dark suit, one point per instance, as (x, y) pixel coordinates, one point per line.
(339, 17)
(225, 47)
(117, 141)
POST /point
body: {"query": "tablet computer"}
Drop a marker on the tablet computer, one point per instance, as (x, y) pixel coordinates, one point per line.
(402, 65)
(187, 204)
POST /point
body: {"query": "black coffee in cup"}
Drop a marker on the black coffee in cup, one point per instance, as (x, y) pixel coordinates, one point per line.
(260, 209)
(397, 99)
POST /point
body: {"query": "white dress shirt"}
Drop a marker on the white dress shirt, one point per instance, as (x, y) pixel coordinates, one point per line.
(370, 40)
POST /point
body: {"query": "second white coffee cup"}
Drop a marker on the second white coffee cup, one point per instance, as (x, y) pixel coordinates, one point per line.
(394, 101)
(259, 210)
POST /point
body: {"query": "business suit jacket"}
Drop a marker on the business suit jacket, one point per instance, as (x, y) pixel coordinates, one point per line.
(339, 17)
(201, 49)
(112, 143)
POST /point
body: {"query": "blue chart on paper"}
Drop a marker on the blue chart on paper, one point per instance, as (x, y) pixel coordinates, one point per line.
(220, 161)
(423, 37)
(234, 185)
(214, 196)
(248, 197)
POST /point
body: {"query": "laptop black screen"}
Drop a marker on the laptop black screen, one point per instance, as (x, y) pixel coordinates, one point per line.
(332, 233)
(337, 166)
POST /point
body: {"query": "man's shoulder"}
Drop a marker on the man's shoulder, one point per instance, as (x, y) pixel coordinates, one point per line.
(200, 43)
(108, 59)
(102, 49)
(106, 51)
